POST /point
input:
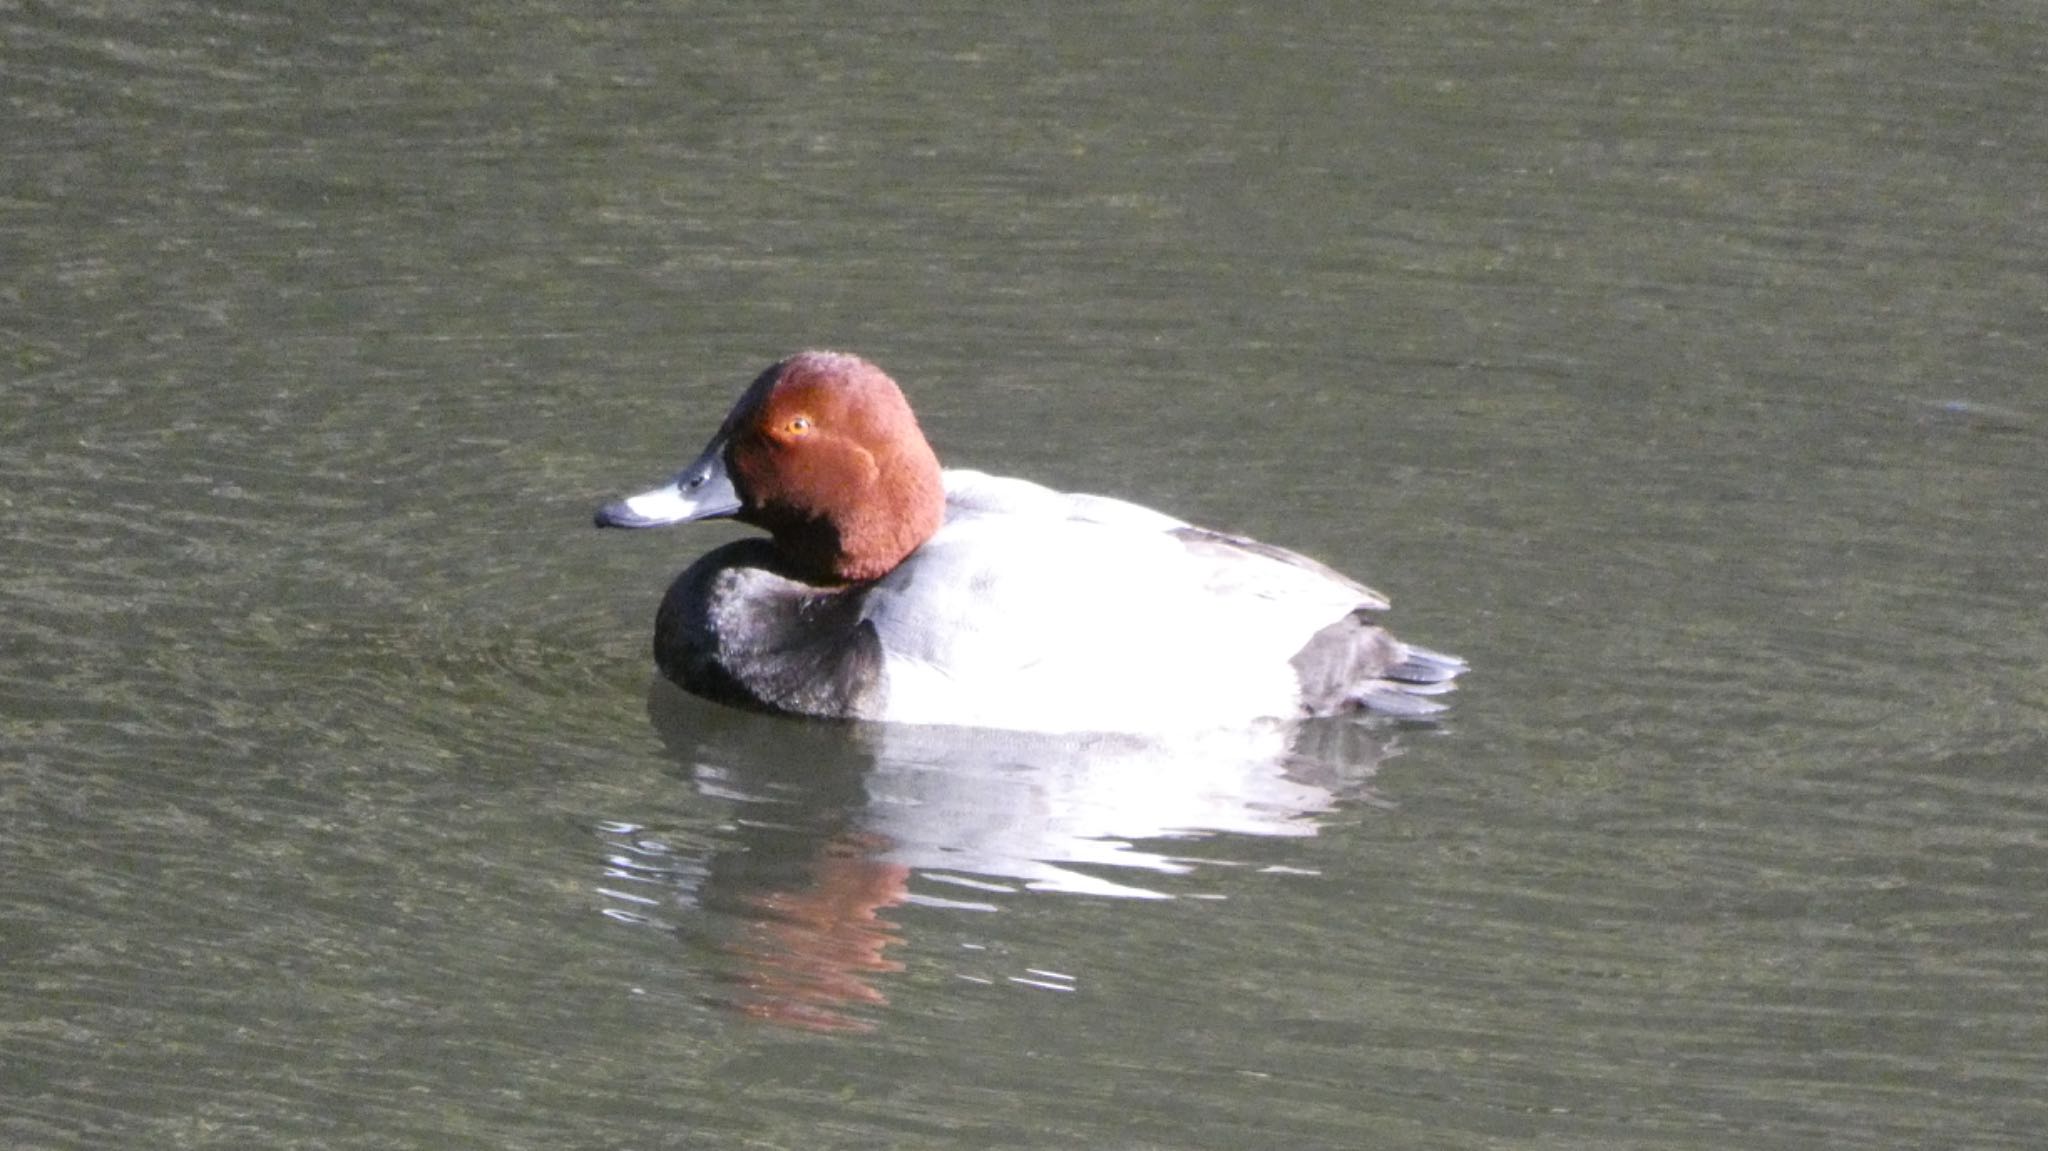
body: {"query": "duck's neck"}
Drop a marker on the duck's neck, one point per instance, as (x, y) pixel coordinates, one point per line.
(859, 548)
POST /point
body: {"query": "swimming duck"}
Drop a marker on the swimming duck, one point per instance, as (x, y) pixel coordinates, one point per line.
(889, 589)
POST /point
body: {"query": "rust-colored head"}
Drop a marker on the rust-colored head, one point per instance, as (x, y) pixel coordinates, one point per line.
(822, 450)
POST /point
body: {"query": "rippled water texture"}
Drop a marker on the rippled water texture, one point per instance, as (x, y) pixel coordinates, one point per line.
(1680, 367)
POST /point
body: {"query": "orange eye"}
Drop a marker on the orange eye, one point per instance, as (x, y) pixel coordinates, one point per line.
(798, 426)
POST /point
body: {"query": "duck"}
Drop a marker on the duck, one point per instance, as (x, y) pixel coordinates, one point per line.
(890, 589)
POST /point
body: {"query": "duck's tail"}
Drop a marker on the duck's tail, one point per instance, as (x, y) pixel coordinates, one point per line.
(1355, 664)
(1404, 688)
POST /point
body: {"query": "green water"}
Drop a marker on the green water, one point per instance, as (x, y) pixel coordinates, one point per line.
(1678, 366)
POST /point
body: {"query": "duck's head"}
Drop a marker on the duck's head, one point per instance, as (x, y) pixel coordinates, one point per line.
(822, 451)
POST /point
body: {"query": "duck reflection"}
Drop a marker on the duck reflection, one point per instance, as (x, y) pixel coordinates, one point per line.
(839, 823)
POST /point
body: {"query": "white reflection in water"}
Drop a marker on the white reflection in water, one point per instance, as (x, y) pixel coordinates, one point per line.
(834, 824)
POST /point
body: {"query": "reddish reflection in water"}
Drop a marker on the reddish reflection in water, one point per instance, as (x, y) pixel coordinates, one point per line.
(814, 951)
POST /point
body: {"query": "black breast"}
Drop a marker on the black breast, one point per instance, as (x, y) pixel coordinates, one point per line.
(733, 629)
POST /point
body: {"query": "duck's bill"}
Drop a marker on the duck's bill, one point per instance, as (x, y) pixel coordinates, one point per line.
(702, 491)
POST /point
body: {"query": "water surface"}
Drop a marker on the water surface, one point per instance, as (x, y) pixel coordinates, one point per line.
(1679, 368)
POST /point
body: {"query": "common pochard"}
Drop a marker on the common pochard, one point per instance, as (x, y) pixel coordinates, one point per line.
(888, 589)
